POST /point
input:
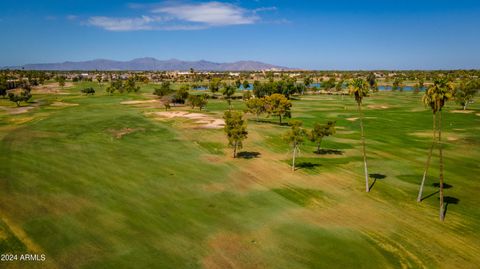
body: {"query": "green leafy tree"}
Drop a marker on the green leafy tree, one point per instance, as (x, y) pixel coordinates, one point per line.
(182, 94)
(88, 91)
(3, 86)
(115, 85)
(320, 131)
(397, 84)
(199, 101)
(235, 129)
(359, 89)
(339, 85)
(61, 81)
(247, 95)
(166, 101)
(23, 96)
(214, 85)
(295, 137)
(246, 84)
(238, 83)
(278, 105)
(372, 81)
(329, 84)
(228, 91)
(256, 106)
(307, 81)
(465, 91)
(435, 97)
(130, 85)
(165, 89)
(418, 86)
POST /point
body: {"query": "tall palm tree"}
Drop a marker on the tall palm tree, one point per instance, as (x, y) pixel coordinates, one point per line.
(359, 88)
(436, 96)
(426, 100)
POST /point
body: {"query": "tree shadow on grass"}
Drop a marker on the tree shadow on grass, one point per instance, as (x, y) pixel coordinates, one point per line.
(306, 165)
(445, 185)
(449, 200)
(248, 154)
(328, 151)
(376, 177)
(437, 185)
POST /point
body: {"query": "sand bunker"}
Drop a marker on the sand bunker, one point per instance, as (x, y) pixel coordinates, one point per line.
(352, 119)
(204, 120)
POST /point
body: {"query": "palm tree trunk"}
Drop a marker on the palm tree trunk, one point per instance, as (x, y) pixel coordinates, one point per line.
(440, 151)
(427, 165)
(294, 154)
(367, 188)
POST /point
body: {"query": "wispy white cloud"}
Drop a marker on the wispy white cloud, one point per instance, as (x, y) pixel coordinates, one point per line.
(124, 24)
(71, 17)
(180, 16)
(210, 13)
(260, 9)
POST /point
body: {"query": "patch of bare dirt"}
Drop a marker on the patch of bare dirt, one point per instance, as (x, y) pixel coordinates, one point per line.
(205, 121)
(139, 102)
(378, 106)
(125, 131)
(445, 135)
(351, 119)
(462, 111)
(52, 88)
(63, 104)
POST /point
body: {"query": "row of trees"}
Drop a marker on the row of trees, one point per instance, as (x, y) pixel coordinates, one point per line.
(435, 97)
(297, 135)
(120, 86)
(275, 105)
(286, 87)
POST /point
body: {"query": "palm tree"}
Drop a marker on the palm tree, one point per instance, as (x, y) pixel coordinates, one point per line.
(436, 96)
(427, 101)
(359, 88)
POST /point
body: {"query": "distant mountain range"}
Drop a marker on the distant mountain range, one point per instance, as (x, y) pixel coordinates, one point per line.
(150, 64)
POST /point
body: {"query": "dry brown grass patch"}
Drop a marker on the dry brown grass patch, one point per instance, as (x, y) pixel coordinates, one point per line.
(378, 106)
(125, 131)
(461, 111)
(63, 104)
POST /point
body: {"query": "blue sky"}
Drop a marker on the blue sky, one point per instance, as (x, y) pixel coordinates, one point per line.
(422, 34)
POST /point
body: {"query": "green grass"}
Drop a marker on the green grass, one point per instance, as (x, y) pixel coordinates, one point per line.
(170, 196)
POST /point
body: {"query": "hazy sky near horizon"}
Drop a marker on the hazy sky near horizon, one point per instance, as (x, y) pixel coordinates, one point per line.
(370, 34)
